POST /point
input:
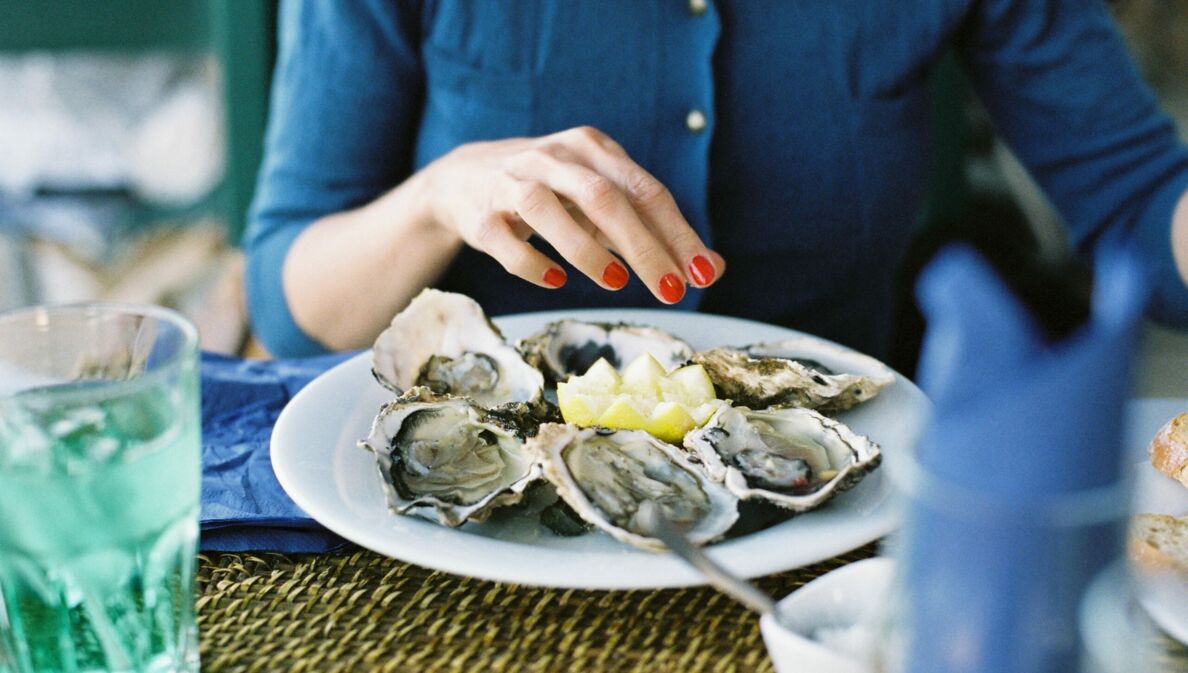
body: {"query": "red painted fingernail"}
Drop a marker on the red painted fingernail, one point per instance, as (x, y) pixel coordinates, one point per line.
(614, 275)
(554, 277)
(671, 288)
(701, 271)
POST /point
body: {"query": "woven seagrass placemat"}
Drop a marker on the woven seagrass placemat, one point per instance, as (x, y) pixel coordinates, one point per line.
(361, 612)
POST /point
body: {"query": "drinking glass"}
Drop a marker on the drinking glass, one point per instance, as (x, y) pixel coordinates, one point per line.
(1115, 633)
(99, 484)
(987, 584)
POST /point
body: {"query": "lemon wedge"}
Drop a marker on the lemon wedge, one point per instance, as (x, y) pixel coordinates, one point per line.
(644, 397)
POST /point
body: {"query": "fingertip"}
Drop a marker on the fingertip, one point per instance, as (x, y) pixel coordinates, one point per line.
(671, 289)
(701, 271)
(555, 277)
(614, 276)
(719, 264)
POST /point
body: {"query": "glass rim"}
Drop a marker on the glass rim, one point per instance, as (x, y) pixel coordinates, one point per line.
(188, 330)
(1102, 504)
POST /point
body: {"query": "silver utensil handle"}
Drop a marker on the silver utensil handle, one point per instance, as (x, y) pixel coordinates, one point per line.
(653, 519)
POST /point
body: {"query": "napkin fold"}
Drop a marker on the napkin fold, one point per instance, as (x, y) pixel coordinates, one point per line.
(243, 506)
(1018, 493)
(1015, 414)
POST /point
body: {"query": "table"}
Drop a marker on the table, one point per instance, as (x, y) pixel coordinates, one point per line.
(357, 611)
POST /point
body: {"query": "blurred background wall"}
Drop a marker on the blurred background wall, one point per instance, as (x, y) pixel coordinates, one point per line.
(130, 134)
(1158, 34)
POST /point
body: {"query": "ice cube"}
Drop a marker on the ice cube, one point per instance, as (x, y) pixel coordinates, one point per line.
(15, 379)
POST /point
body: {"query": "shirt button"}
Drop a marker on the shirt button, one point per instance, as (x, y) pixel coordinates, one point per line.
(698, 7)
(695, 121)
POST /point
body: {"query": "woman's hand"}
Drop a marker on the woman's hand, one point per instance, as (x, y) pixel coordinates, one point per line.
(579, 191)
(576, 189)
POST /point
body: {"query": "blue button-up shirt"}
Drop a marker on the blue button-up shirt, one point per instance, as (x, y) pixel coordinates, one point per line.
(793, 133)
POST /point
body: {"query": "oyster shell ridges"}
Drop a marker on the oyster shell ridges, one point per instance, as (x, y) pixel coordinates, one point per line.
(733, 431)
(827, 358)
(457, 463)
(567, 347)
(766, 381)
(588, 467)
(445, 337)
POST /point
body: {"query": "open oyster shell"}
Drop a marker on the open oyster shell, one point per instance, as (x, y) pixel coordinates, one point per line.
(795, 458)
(569, 347)
(449, 458)
(444, 341)
(604, 475)
(795, 373)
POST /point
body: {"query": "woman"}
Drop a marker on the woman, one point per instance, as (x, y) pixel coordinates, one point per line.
(539, 154)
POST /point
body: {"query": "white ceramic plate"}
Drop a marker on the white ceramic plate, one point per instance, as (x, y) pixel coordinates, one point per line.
(316, 459)
(843, 598)
(1165, 597)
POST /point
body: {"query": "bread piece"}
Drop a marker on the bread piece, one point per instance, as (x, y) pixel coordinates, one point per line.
(1169, 449)
(1159, 542)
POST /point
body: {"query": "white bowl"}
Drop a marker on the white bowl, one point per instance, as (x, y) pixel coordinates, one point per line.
(839, 599)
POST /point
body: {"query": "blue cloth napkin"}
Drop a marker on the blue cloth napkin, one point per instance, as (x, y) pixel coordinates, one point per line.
(243, 506)
(1014, 414)
(1017, 497)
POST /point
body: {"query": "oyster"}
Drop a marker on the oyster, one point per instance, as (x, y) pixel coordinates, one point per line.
(569, 347)
(796, 458)
(794, 373)
(822, 356)
(604, 475)
(449, 457)
(444, 341)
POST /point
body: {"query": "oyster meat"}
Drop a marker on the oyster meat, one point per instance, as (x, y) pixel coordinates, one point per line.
(449, 458)
(795, 458)
(794, 373)
(444, 341)
(571, 346)
(605, 475)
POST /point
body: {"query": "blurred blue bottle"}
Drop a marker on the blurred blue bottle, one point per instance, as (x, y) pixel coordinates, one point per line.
(1016, 497)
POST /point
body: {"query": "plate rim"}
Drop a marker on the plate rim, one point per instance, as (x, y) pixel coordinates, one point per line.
(879, 522)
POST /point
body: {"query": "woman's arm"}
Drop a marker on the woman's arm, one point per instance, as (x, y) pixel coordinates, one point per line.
(1060, 85)
(334, 250)
(349, 272)
(346, 93)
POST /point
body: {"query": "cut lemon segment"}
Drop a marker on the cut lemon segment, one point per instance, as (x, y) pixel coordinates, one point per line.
(579, 408)
(644, 397)
(624, 413)
(643, 376)
(695, 383)
(600, 379)
(670, 421)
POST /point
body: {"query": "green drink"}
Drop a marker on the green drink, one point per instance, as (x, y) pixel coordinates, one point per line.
(99, 490)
